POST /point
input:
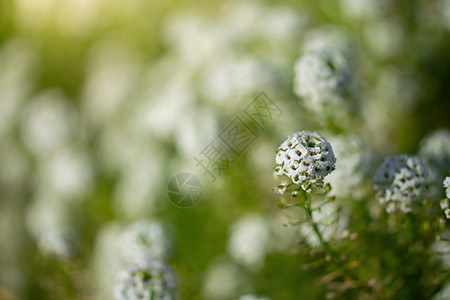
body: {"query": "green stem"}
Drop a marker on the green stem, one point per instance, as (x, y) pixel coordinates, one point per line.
(326, 247)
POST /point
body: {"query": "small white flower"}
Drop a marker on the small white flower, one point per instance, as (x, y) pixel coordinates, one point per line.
(306, 158)
(320, 74)
(401, 182)
(146, 280)
(145, 239)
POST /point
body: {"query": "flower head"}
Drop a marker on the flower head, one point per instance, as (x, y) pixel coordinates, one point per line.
(401, 182)
(306, 158)
(148, 279)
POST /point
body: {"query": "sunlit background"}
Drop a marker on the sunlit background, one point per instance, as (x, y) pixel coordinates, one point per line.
(103, 102)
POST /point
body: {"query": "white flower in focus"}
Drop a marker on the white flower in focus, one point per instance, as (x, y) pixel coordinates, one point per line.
(401, 182)
(306, 158)
(321, 73)
(146, 280)
(250, 240)
(353, 159)
(331, 222)
(145, 239)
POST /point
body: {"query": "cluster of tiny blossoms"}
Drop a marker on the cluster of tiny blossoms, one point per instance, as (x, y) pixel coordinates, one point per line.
(148, 279)
(401, 182)
(445, 205)
(306, 158)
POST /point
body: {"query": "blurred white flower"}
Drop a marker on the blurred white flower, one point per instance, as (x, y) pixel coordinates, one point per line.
(58, 241)
(435, 150)
(112, 76)
(401, 182)
(331, 221)
(145, 239)
(231, 82)
(249, 241)
(352, 162)
(196, 40)
(146, 280)
(47, 220)
(393, 96)
(306, 158)
(67, 173)
(363, 9)
(328, 37)
(159, 108)
(137, 191)
(49, 122)
(224, 280)
(321, 77)
(44, 213)
(384, 37)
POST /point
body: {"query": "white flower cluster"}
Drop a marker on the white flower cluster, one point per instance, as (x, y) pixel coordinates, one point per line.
(401, 182)
(143, 240)
(320, 74)
(146, 280)
(445, 205)
(306, 158)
